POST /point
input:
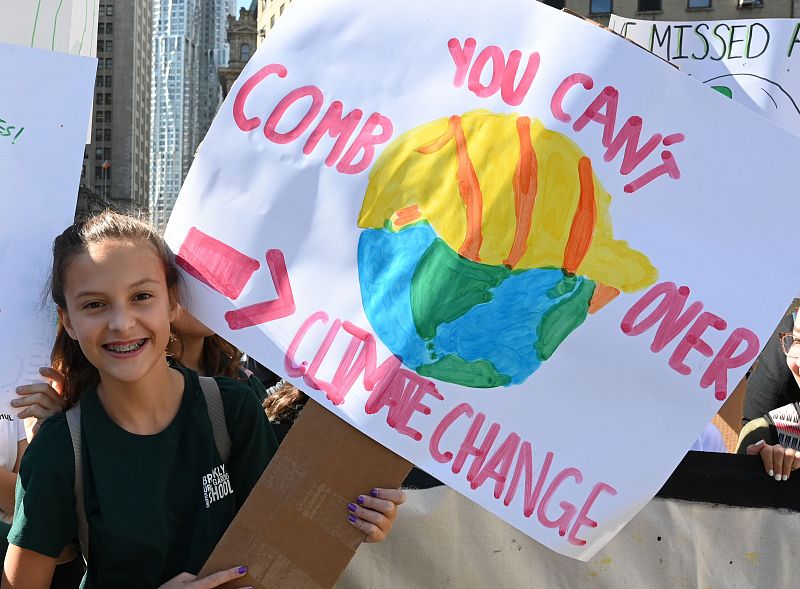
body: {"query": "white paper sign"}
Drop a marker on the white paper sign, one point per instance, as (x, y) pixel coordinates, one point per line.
(45, 105)
(754, 62)
(573, 268)
(68, 26)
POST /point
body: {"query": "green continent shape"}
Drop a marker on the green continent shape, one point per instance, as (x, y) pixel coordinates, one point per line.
(445, 286)
(724, 90)
(562, 319)
(478, 374)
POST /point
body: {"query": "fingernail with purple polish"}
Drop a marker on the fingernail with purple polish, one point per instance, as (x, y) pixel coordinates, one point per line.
(360, 500)
(374, 492)
(352, 506)
(352, 518)
(242, 570)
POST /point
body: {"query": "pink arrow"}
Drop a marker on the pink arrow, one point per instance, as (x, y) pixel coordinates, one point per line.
(283, 306)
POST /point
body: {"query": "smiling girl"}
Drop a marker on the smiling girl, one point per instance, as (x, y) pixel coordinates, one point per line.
(146, 437)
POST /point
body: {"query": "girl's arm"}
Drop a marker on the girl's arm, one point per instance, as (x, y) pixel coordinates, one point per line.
(8, 480)
(26, 569)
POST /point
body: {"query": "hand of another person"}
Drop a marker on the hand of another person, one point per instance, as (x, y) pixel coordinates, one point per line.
(375, 513)
(779, 462)
(41, 399)
(189, 581)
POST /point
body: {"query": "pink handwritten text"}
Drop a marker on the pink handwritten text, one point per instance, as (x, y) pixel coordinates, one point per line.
(674, 320)
(376, 130)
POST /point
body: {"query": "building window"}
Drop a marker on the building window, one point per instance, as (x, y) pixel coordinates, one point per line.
(602, 6)
(109, 28)
(98, 172)
(108, 63)
(109, 46)
(108, 82)
(98, 153)
(108, 99)
(699, 4)
(245, 52)
(98, 116)
(110, 10)
(98, 134)
(101, 28)
(649, 6)
(98, 99)
(101, 46)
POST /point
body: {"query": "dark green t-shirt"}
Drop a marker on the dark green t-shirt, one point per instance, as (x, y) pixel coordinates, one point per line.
(156, 505)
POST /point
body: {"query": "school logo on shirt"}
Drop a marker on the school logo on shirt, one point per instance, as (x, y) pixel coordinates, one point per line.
(216, 485)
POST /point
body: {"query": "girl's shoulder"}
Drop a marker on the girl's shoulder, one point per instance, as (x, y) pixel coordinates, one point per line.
(51, 448)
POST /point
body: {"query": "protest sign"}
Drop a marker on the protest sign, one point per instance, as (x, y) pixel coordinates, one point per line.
(41, 149)
(68, 26)
(410, 222)
(753, 62)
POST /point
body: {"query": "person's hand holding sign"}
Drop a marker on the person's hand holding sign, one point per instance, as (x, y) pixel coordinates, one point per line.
(374, 514)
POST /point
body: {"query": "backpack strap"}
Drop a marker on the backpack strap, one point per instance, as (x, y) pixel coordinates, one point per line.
(216, 413)
(74, 423)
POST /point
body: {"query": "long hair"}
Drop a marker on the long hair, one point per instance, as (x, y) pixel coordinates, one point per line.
(67, 356)
(218, 358)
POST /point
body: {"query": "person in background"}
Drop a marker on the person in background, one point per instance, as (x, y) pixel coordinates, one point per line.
(772, 423)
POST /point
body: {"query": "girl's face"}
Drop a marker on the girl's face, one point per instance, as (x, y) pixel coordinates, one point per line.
(792, 357)
(119, 309)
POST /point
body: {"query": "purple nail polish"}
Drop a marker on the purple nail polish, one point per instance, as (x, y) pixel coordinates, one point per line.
(352, 506)
(360, 500)
(242, 570)
(374, 492)
(352, 518)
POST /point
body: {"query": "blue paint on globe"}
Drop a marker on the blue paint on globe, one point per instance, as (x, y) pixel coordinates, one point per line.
(501, 333)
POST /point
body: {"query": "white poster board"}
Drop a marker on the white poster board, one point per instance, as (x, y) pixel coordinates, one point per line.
(68, 26)
(754, 62)
(372, 194)
(41, 150)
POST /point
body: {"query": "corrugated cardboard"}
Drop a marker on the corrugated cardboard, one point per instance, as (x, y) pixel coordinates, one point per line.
(293, 531)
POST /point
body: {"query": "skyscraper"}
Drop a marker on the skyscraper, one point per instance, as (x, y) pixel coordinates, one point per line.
(188, 47)
(116, 165)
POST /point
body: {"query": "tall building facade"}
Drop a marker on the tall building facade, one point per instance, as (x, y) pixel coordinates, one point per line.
(269, 11)
(116, 163)
(681, 10)
(189, 46)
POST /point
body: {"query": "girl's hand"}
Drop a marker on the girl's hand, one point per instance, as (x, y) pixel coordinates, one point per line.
(779, 462)
(375, 513)
(189, 581)
(41, 400)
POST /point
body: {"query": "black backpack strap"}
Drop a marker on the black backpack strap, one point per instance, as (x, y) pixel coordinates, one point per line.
(74, 423)
(216, 413)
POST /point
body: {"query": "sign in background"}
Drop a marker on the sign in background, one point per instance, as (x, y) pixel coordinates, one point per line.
(45, 107)
(754, 62)
(485, 241)
(68, 26)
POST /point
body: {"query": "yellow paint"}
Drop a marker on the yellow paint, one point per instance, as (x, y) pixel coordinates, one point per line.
(404, 177)
(593, 574)
(606, 562)
(752, 557)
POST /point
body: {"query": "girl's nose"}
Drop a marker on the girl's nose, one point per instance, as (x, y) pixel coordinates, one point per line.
(121, 320)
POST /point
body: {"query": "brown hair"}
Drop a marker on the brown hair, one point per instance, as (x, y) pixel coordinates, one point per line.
(279, 405)
(219, 356)
(67, 356)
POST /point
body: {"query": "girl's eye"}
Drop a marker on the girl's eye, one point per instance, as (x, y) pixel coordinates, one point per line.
(142, 296)
(93, 305)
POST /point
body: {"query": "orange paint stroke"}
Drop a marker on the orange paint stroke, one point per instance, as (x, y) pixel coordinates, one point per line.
(468, 186)
(407, 215)
(582, 230)
(526, 185)
(603, 294)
